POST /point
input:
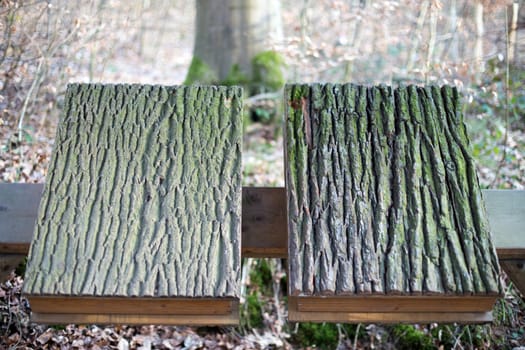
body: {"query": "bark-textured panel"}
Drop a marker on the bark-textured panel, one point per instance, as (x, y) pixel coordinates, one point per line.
(383, 195)
(143, 194)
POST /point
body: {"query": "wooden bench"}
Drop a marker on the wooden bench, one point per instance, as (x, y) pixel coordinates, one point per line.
(63, 229)
(264, 231)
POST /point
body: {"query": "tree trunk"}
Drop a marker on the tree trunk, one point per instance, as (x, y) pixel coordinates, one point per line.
(382, 194)
(233, 43)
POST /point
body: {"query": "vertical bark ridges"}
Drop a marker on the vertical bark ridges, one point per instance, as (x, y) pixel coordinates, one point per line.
(383, 197)
(143, 194)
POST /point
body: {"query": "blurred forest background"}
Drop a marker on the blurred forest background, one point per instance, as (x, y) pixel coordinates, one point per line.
(478, 46)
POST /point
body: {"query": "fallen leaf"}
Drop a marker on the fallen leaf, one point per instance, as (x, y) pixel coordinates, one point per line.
(45, 338)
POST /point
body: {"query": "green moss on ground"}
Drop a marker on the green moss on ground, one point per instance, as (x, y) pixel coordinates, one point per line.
(324, 335)
(251, 316)
(320, 335)
(261, 276)
(408, 337)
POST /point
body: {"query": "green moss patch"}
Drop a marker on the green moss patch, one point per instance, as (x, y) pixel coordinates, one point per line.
(200, 73)
(268, 71)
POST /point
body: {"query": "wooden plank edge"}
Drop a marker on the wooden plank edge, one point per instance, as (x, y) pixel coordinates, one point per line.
(255, 252)
(295, 315)
(231, 319)
(510, 253)
(389, 318)
(395, 304)
(21, 248)
(132, 305)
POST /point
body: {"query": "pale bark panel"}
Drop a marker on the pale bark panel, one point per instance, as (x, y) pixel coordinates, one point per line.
(143, 194)
(385, 183)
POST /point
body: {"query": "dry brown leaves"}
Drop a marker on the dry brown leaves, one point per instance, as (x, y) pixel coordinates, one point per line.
(17, 332)
(24, 154)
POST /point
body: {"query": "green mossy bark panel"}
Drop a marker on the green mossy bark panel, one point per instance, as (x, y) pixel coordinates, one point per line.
(383, 196)
(143, 194)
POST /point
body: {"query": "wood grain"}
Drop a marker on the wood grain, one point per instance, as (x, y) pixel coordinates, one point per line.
(382, 194)
(387, 317)
(264, 222)
(143, 195)
(391, 318)
(511, 253)
(371, 316)
(134, 319)
(140, 306)
(407, 304)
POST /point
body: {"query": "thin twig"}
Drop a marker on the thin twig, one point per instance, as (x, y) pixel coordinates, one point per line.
(416, 39)
(339, 335)
(431, 41)
(276, 273)
(467, 328)
(35, 83)
(457, 343)
(507, 102)
(354, 346)
(245, 275)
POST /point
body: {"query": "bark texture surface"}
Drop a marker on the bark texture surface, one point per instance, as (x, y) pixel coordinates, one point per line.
(143, 195)
(383, 196)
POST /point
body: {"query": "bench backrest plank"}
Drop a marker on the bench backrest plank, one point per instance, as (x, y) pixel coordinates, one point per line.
(264, 232)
